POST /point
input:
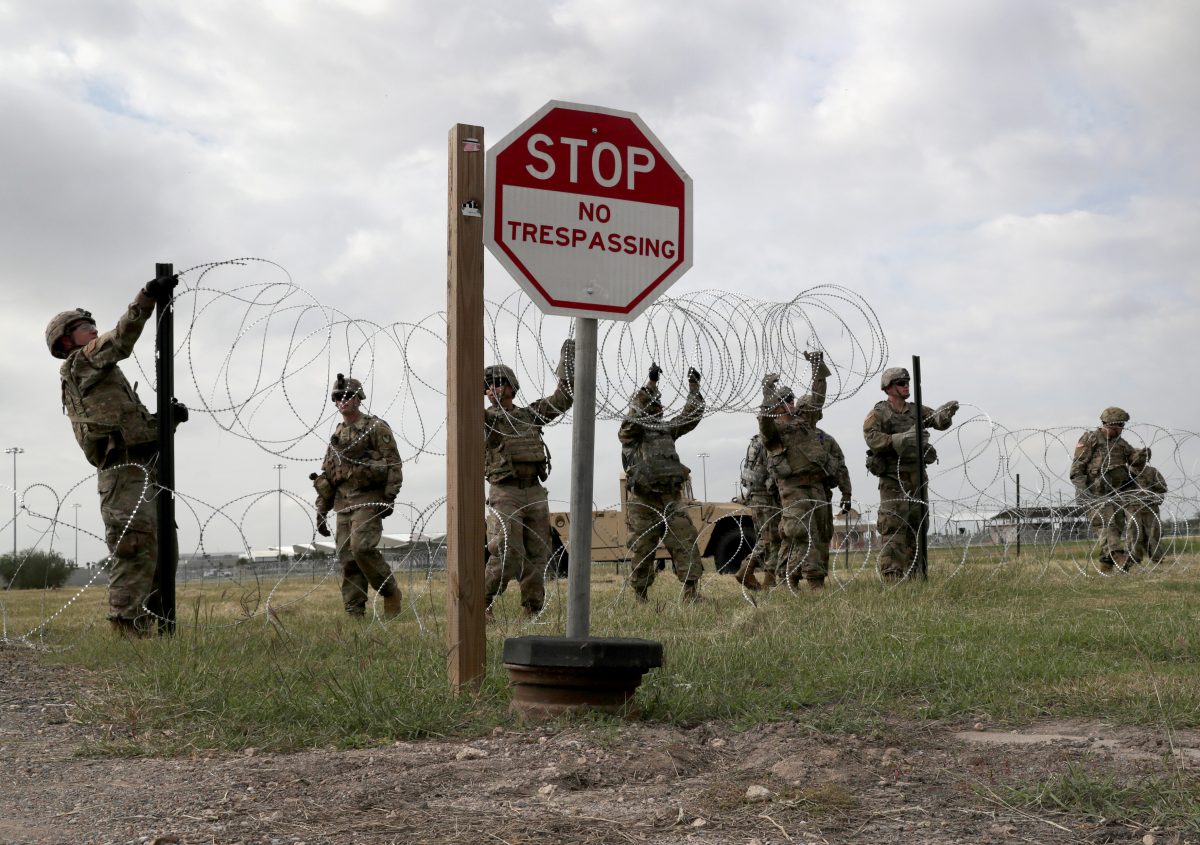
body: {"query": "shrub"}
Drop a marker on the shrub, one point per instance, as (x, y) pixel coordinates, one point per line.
(34, 570)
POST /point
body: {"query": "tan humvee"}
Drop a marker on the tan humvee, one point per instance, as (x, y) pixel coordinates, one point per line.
(725, 529)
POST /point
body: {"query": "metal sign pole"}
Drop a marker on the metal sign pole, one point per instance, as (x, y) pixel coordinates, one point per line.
(583, 453)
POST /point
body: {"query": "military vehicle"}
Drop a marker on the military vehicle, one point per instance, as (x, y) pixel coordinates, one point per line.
(725, 533)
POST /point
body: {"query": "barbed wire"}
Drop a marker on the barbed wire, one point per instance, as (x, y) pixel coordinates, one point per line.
(261, 354)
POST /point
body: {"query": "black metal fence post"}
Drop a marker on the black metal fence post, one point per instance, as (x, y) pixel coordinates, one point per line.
(162, 601)
(922, 492)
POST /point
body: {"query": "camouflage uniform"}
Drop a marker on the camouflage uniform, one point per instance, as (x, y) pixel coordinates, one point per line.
(837, 475)
(119, 437)
(516, 462)
(360, 478)
(655, 511)
(1149, 495)
(799, 464)
(1100, 473)
(761, 494)
(901, 511)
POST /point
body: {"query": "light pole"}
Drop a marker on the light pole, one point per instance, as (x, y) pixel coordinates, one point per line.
(14, 451)
(76, 506)
(279, 468)
(704, 473)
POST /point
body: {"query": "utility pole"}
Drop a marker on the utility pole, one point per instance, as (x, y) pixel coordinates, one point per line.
(76, 506)
(704, 473)
(14, 451)
(279, 468)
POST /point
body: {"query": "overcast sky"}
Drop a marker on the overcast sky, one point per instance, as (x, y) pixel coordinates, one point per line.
(1010, 184)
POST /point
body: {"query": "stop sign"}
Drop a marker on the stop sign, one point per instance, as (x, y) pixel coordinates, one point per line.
(588, 211)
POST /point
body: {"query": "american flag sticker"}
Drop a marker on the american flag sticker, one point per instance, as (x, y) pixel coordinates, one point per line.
(470, 145)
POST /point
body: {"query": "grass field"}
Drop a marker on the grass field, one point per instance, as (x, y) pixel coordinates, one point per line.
(987, 637)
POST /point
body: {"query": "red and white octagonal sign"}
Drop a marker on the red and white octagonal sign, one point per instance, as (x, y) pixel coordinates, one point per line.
(588, 211)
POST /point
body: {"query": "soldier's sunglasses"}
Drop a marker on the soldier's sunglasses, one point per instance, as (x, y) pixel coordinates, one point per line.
(901, 382)
(789, 399)
(82, 324)
(341, 395)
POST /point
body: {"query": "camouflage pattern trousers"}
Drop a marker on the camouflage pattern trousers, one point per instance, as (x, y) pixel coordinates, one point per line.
(359, 530)
(1109, 517)
(1146, 527)
(824, 527)
(765, 554)
(801, 534)
(901, 514)
(518, 528)
(653, 518)
(130, 517)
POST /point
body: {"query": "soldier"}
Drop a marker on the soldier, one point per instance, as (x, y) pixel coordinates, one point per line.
(654, 480)
(1100, 473)
(890, 431)
(799, 465)
(516, 462)
(761, 494)
(119, 437)
(1150, 493)
(837, 474)
(359, 480)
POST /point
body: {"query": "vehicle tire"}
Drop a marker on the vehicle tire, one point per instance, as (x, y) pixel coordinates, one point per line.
(731, 549)
(560, 558)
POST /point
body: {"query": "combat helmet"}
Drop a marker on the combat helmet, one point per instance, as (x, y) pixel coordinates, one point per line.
(646, 400)
(60, 326)
(891, 375)
(500, 374)
(1113, 415)
(780, 394)
(1139, 457)
(347, 388)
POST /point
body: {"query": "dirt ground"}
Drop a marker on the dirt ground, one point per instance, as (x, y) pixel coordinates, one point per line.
(640, 783)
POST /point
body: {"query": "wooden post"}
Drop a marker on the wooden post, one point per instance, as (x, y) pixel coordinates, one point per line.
(465, 534)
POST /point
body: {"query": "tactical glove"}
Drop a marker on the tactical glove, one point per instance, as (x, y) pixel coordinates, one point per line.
(693, 376)
(179, 411)
(817, 359)
(845, 506)
(769, 383)
(566, 362)
(946, 412)
(323, 525)
(156, 287)
(655, 372)
(905, 443)
(388, 509)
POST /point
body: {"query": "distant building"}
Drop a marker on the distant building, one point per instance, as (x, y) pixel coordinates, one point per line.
(1040, 524)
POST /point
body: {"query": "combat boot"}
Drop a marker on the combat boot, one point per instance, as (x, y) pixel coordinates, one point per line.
(745, 577)
(641, 594)
(691, 593)
(392, 604)
(1106, 564)
(768, 581)
(816, 583)
(127, 628)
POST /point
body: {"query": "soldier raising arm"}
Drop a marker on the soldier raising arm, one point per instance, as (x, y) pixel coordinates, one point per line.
(516, 462)
(654, 479)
